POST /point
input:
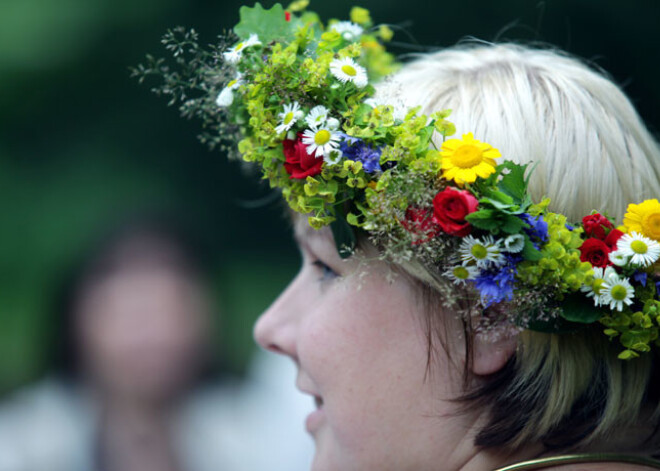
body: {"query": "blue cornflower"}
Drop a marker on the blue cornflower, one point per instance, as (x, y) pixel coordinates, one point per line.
(640, 277)
(538, 228)
(496, 285)
(355, 149)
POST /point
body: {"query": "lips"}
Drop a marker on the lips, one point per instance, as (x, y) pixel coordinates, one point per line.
(318, 401)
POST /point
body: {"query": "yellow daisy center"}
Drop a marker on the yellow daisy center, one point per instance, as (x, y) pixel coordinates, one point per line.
(479, 251)
(598, 284)
(461, 273)
(618, 292)
(322, 137)
(467, 156)
(288, 117)
(239, 46)
(639, 247)
(651, 225)
(349, 70)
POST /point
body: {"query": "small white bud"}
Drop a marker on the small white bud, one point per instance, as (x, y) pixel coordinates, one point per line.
(225, 98)
(333, 124)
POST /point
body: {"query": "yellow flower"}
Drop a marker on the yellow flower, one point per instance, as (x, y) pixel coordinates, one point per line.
(644, 218)
(465, 160)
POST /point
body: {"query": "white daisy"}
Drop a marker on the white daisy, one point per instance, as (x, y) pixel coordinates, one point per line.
(226, 96)
(348, 30)
(483, 252)
(317, 116)
(399, 111)
(347, 70)
(333, 157)
(291, 114)
(595, 290)
(618, 258)
(234, 55)
(641, 250)
(616, 291)
(320, 141)
(462, 273)
(514, 243)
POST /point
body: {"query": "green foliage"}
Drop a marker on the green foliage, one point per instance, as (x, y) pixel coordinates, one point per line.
(269, 25)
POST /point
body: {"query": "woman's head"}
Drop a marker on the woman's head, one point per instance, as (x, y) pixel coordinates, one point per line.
(136, 311)
(361, 339)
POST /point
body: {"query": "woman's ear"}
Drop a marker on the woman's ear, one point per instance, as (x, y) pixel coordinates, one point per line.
(493, 349)
(495, 340)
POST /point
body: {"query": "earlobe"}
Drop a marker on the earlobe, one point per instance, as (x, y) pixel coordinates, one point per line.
(492, 350)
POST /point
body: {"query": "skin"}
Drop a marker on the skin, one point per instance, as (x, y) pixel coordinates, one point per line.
(141, 332)
(357, 338)
(358, 341)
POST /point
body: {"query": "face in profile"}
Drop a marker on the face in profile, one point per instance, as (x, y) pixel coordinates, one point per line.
(361, 352)
(141, 330)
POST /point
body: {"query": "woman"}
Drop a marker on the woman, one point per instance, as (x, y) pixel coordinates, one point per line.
(388, 397)
(446, 316)
(137, 387)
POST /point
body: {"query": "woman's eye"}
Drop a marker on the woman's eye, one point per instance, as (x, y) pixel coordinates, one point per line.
(327, 273)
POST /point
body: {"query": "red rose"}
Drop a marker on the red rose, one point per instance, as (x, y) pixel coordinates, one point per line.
(299, 164)
(420, 223)
(595, 225)
(612, 238)
(450, 207)
(596, 252)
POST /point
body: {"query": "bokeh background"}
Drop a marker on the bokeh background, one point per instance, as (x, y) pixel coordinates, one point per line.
(82, 144)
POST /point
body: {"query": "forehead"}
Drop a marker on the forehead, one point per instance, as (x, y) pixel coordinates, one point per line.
(306, 234)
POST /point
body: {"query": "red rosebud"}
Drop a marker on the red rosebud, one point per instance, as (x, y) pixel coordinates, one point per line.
(419, 222)
(450, 207)
(612, 238)
(595, 225)
(299, 164)
(596, 252)
(287, 15)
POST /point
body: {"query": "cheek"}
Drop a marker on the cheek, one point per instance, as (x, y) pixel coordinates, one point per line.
(366, 352)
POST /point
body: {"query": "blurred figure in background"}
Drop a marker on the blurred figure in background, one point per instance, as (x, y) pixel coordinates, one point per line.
(133, 357)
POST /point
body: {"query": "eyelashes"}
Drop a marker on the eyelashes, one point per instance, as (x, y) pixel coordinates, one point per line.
(327, 273)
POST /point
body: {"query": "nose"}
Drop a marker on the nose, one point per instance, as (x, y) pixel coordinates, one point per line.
(277, 328)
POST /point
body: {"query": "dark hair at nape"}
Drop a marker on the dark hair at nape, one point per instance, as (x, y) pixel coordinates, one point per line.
(102, 257)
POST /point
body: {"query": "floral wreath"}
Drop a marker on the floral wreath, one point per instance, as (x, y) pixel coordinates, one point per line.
(297, 96)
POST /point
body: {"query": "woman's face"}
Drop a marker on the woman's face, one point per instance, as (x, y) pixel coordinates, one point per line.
(141, 331)
(361, 351)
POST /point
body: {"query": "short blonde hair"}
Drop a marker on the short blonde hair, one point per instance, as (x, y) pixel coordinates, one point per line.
(591, 151)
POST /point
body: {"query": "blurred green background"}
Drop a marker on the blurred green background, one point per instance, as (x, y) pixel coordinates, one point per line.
(81, 143)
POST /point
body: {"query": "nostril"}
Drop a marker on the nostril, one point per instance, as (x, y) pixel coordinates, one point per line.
(276, 349)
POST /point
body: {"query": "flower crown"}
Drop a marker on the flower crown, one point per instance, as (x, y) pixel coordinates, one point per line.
(298, 97)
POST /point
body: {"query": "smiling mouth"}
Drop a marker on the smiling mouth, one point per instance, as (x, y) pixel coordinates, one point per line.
(318, 401)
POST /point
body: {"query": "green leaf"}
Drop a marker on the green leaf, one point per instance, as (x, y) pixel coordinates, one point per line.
(513, 182)
(529, 252)
(557, 325)
(576, 308)
(267, 24)
(343, 234)
(425, 138)
(352, 219)
(627, 355)
(498, 199)
(511, 224)
(483, 219)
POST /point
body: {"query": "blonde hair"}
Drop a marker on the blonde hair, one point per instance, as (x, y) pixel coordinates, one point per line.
(590, 151)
